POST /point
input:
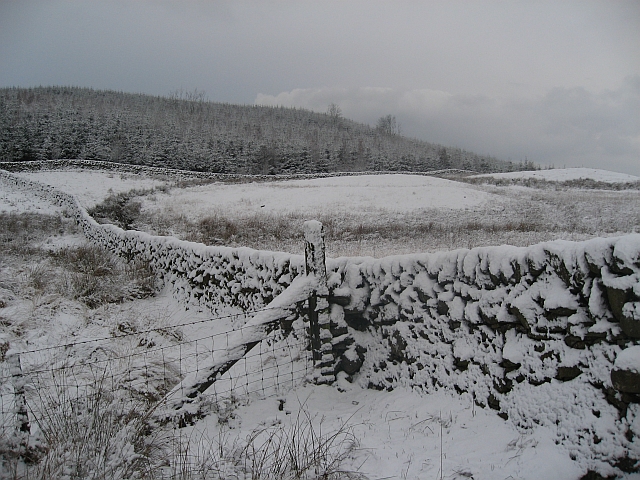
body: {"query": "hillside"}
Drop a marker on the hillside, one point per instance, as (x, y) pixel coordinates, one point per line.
(189, 133)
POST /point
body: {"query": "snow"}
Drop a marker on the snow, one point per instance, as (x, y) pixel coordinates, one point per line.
(354, 194)
(90, 186)
(14, 200)
(404, 434)
(565, 174)
(629, 359)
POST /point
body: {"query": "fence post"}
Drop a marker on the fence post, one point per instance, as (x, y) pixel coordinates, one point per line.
(319, 318)
(22, 427)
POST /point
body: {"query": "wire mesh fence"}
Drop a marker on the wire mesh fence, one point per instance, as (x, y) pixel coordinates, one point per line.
(134, 373)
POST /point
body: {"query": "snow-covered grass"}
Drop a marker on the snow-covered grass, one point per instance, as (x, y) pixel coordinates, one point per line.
(565, 174)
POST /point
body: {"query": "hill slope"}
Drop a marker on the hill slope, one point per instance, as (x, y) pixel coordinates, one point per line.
(66, 122)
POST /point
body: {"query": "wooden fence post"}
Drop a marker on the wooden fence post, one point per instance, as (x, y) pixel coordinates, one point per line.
(22, 426)
(319, 318)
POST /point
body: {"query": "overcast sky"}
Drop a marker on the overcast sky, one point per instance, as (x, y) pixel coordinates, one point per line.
(556, 82)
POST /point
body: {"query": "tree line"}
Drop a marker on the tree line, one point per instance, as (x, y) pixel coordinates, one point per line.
(188, 132)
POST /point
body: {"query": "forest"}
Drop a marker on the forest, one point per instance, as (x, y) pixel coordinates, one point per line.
(186, 131)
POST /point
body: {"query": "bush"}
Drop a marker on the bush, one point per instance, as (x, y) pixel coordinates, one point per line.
(95, 276)
(120, 209)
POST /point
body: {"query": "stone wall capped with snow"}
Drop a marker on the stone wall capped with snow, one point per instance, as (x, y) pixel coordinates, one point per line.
(37, 165)
(536, 333)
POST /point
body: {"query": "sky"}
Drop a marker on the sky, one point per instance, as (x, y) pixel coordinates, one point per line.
(556, 82)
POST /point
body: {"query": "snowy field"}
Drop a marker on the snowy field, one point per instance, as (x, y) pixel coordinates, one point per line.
(400, 434)
(366, 195)
(92, 187)
(389, 214)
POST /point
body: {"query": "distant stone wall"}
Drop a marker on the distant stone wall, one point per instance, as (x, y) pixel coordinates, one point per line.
(37, 165)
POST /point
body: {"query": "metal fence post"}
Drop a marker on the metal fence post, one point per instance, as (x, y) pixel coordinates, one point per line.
(319, 318)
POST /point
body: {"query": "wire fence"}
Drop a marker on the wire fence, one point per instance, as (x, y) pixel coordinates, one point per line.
(140, 370)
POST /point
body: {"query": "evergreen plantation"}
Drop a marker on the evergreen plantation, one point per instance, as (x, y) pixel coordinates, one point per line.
(187, 132)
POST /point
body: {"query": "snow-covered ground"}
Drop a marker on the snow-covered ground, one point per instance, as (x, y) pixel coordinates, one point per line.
(402, 434)
(394, 214)
(564, 174)
(91, 187)
(365, 194)
(405, 435)
(13, 200)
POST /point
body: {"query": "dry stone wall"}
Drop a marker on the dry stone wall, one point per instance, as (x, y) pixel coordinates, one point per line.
(37, 165)
(556, 323)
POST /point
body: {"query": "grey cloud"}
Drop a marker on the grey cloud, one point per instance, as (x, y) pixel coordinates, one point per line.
(566, 126)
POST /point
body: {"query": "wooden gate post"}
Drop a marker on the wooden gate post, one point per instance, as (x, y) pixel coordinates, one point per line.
(319, 319)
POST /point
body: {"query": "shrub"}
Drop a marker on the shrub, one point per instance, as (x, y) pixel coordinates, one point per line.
(120, 209)
(95, 276)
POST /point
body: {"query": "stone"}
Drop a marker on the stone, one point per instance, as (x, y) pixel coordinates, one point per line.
(574, 342)
(461, 365)
(618, 267)
(493, 402)
(559, 312)
(630, 321)
(398, 346)
(442, 308)
(454, 324)
(617, 298)
(627, 464)
(592, 264)
(351, 361)
(565, 374)
(515, 311)
(509, 366)
(340, 297)
(591, 338)
(356, 321)
(503, 386)
(625, 376)
(593, 475)
(626, 381)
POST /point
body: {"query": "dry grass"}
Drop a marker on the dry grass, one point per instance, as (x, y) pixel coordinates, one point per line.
(96, 277)
(294, 450)
(20, 232)
(94, 434)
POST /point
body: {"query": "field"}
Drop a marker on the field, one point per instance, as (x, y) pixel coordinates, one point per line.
(373, 215)
(45, 268)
